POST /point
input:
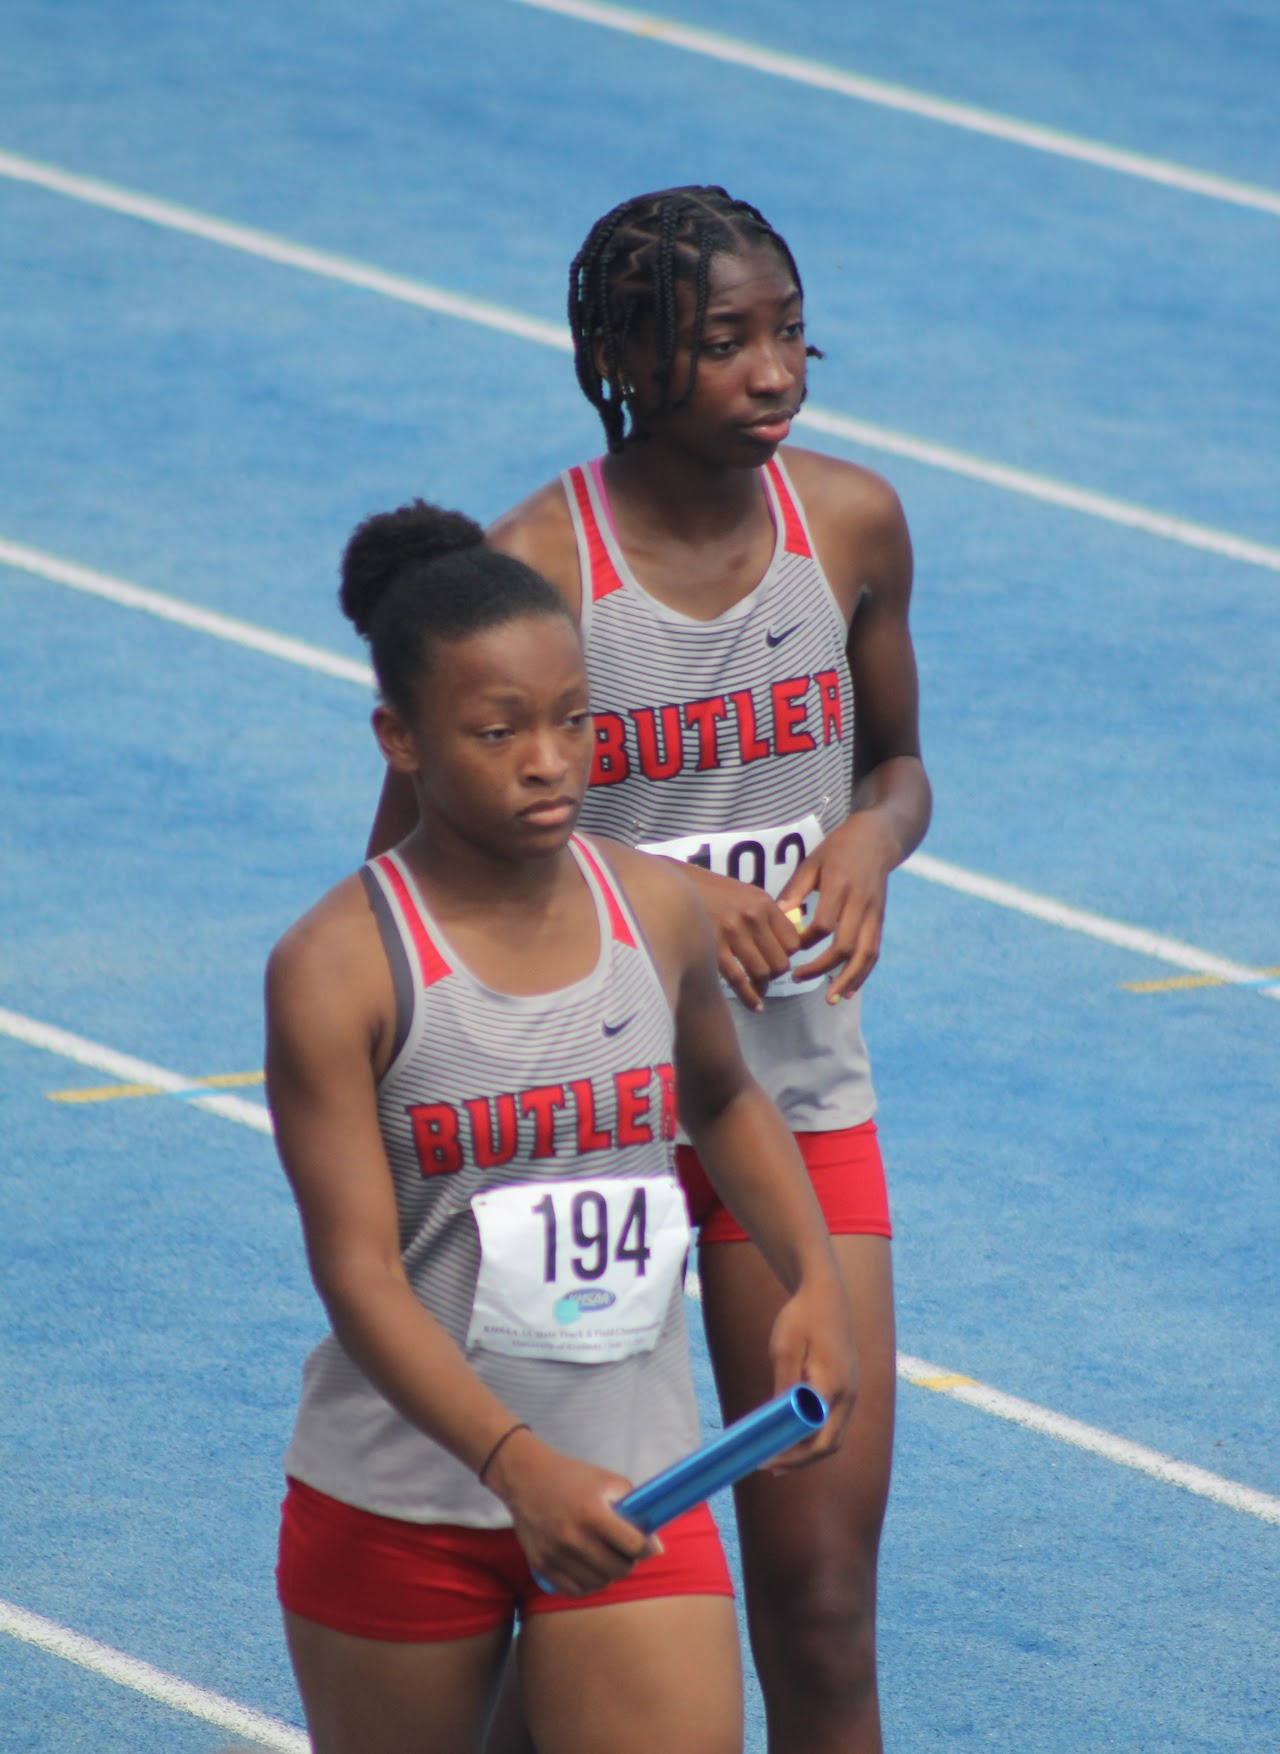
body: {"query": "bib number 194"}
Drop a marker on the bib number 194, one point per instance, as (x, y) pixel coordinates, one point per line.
(589, 1225)
(580, 1271)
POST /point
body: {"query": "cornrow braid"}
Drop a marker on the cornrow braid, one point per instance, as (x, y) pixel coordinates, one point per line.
(629, 269)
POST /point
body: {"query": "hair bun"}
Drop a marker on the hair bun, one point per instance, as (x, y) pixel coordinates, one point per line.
(389, 544)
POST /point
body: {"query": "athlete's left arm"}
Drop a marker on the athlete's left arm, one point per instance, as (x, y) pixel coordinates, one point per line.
(747, 1148)
(861, 534)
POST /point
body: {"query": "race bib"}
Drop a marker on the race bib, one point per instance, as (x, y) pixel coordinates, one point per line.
(766, 857)
(581, 1271)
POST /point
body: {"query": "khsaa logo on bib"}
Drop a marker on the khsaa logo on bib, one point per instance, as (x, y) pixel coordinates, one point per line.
(575, 1304)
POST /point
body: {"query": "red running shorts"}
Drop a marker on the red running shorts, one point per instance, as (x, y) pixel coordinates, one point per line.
(847, 1173)
(423, 1583)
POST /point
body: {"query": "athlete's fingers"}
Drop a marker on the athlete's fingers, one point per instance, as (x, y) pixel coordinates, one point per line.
(862, 957)
(854, 950)
(762, 956)
(736, 976)
(853, 965)
(631, 1543)
(769, 932)
(744, 988)
(586, 1557)
(799, 887)
(852, 975)
(755, 949)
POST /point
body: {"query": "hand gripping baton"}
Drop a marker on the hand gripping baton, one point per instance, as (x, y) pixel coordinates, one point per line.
(740, 1447)
(755, 1438)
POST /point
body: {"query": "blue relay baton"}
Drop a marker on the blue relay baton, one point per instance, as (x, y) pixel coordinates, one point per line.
(755, 1438)
(740, 1447)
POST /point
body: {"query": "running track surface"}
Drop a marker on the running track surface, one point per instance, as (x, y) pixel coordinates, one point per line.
(268, 269)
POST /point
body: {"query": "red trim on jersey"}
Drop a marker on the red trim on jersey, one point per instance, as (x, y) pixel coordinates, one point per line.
(622, 932)
(604, 575)
(433, 965)
(795, 540)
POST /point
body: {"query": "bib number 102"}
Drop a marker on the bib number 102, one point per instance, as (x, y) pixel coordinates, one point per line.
(748, 861)
(765, 857)
(589, 1231)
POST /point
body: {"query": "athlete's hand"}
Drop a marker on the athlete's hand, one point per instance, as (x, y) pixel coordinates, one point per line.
(564, 1515)
(754, 938)
(812, 1341)
(849, 869)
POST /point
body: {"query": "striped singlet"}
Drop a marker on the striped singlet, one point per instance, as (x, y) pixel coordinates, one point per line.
(729, 742)
(542, 1124)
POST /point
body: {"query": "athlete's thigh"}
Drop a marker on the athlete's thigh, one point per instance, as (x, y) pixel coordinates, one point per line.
(826, 1518)
(376, 1696)
(662, 1676)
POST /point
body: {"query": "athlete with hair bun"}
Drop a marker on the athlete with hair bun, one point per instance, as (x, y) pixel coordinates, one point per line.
(475, 1050)
(744, 608)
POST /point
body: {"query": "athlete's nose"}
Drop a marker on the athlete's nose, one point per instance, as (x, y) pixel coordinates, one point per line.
(771, 371)
(546, 762)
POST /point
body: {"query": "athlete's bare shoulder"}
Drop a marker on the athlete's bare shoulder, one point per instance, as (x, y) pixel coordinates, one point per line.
(339, 914)
(858, 525)
(330, 964)
(539, 531)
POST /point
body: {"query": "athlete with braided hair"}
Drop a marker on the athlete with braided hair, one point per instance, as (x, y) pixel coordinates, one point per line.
(627, 271)
(744, 608)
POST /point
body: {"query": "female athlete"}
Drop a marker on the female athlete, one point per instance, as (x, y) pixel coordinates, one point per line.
(475, 1050)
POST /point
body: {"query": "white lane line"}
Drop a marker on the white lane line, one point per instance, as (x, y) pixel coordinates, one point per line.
(970, 117)
(1091, 925)
(270, 248)
(1045, 489)
(993, 889)
(433, 298)
(130, 1070)
(170, 1690)
(1166, 1469)
(1088, 1437)
(224, 627)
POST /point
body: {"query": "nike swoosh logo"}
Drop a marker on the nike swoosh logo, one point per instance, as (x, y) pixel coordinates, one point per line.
(616, 1028)
(775, 639)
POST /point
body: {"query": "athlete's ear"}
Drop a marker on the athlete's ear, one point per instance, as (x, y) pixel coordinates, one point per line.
(394, 739)
(600, 355)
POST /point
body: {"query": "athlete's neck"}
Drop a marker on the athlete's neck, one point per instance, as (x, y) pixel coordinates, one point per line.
(459, 878)
(520, 926)
(653, 487)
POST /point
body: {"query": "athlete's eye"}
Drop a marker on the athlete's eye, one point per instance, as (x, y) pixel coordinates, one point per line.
(793, 331)
(493, 733)
(719, 349)
(580, 720)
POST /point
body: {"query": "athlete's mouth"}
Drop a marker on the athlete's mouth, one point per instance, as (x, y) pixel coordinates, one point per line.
(772, 421)
(549, 809)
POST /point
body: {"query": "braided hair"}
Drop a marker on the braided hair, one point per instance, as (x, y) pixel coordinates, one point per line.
(628, 271)
(419, 575)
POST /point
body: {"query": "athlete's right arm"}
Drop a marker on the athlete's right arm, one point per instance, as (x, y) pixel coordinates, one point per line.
(330, 1009)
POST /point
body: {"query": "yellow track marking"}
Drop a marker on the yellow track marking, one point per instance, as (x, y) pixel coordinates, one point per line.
(107, 1092)
(948, 1380)
(1180, 982)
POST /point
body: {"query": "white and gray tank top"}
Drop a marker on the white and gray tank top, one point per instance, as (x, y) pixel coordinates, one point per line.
(530, 1143)
(729, 743)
